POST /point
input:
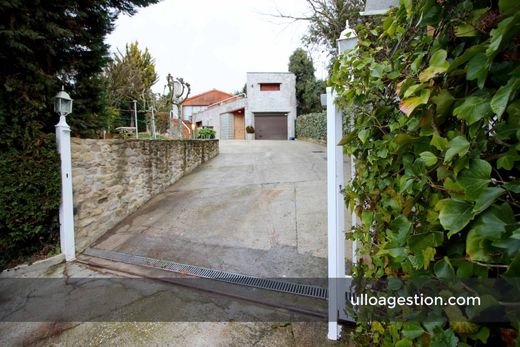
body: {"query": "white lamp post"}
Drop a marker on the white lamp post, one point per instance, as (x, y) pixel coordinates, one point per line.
(63, 107)
(347, 39)
(335, 200)
(346, 43)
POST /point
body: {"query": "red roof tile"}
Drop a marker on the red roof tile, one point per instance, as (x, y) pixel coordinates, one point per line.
(207, 98)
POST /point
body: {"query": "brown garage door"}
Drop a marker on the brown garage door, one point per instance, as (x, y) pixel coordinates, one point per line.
(270, 126)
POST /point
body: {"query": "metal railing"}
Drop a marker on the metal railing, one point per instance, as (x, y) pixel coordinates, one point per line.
(219, 103)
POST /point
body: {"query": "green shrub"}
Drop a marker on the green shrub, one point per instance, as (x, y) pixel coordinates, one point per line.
(436, 137)
(312, 125)
(206, 133)
(250, 129)
(29, 200)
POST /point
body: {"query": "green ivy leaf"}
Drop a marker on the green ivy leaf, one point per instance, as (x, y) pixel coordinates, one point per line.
(443, 268)
(458, 145)
(502, 96)
(465, 30)
(413, 89)
(347, 139)
(505, 162)
(514, 267)
(464, 269)
(492, 223)
(428, 158)
(446, 338)
(473, 109)
(487, 198)
(439, 142)
(377, 70)
(404, 343)
(363, 135)
(475, 179)
(508, 7)
(513, 186)
(510, 245)
(393, 75)
(408, 5)
(421, 241)
(402, 226)
(443, 101)
(417, 62)
(428, 255)
(508, 160)
(438, 58)
(399, 252)
(454, 214)
(506, 29)
(408, 105)
(478, 68)
(455, 188)
(468, 54)
(477, 247)
(433, 326)
(412, 330)
(438, 64)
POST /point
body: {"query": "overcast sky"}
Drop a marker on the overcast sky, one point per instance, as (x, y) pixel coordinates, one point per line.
(212, 44)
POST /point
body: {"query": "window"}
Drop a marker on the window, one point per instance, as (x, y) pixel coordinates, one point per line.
(270, 87)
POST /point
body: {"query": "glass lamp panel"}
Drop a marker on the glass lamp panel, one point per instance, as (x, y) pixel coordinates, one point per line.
(346, 44)
(57, 105)
(67, 106)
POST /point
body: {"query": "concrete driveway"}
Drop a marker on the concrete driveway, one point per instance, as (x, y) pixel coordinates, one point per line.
(259, 208)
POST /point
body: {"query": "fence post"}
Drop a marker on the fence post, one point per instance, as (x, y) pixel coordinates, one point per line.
(152, 120)
(67, 243)
(135, 120)
(336, 216)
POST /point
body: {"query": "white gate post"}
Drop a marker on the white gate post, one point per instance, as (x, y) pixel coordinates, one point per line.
(336, 215)
(135, 120)
(67, 244)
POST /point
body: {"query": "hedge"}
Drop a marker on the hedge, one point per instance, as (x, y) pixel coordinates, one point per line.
(436, 136)
(30, 191)
(312, 125)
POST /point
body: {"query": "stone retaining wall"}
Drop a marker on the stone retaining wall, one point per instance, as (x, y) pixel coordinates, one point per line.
(113, 178)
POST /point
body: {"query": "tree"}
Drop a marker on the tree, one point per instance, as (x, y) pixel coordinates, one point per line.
(44, 45)
(327, 20)
(243, 91)
(308, 89)
(130, 76)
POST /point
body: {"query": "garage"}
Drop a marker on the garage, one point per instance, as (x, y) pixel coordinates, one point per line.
(270, 126)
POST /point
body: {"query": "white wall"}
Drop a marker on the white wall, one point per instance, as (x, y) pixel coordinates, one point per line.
(211, 116)
(188, 111)
(283, 100)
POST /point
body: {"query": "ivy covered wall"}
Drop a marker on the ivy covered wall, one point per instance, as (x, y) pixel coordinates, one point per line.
(434, 88)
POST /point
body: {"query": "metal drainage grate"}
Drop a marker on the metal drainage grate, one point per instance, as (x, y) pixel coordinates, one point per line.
(224, 276)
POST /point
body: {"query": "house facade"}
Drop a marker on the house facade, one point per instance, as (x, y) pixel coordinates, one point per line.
(270, 107)
(201, 102)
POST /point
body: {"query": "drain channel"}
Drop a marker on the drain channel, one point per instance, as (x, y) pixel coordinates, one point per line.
(224, 276)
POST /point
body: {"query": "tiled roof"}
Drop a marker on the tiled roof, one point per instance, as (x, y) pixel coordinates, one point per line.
(207, 98)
